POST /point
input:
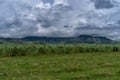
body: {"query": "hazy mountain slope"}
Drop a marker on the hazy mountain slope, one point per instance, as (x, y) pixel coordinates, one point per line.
(79, 39)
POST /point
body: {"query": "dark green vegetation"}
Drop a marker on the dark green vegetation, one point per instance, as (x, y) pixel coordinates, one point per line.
(36, 50)
(85, 66)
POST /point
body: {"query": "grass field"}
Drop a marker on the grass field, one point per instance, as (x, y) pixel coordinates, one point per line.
(84, 66)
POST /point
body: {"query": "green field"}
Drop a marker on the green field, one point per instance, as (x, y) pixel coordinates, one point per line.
(84, 66)
(39, 49)
(60, 62)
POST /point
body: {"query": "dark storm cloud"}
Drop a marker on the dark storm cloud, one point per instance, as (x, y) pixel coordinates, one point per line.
(48, 1)
(101, 4)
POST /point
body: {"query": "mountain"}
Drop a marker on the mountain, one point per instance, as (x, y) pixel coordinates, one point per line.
(10, 40)
(79, 39)
(94, 39)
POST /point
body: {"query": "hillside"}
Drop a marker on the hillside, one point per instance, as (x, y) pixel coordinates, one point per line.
(69, 40)
(79, 39)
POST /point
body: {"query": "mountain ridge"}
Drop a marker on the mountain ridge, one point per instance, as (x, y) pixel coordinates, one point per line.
(79, 39)
(69, 40)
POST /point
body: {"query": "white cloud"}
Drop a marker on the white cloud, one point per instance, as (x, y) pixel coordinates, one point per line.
(42, 5)
(63, 2)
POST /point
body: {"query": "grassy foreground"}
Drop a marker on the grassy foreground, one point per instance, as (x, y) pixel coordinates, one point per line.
(84, 66)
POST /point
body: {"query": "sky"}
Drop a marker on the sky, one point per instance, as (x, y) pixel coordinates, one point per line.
(59, 18)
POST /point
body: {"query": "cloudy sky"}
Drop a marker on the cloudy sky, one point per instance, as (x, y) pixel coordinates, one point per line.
(59, 18)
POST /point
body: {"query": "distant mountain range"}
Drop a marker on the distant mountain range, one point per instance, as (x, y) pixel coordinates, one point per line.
(79, 39)
(69, 40)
